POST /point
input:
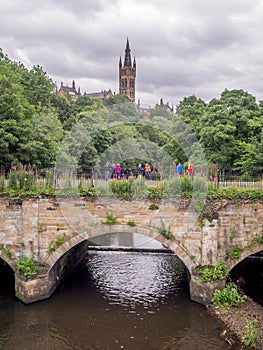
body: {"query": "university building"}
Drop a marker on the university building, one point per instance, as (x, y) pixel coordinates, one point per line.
(127, 77)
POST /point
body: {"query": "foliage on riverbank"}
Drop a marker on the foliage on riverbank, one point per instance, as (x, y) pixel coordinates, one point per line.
(243, 322)
(229, 301)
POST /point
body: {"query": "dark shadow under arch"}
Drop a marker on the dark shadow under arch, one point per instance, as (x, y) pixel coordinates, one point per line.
(7, 279)
(248, 275)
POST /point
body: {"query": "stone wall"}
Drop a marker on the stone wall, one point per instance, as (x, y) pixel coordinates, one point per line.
(54, 230)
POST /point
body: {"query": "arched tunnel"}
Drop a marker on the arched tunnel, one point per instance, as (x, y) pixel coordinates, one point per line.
(248, 275)
(7, 280)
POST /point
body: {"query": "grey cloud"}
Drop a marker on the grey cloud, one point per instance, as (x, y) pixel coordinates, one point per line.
(182, 48)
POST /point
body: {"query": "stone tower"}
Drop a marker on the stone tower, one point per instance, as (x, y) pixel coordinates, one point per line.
(127, 74)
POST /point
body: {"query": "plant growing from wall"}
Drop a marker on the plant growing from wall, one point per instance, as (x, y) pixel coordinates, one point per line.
(27, 266)
(131, 223)
(233, 234)
(110, 219)
(55, 244)
(251, 336)
(6, 251)
(227, 297)
(40, 228)
(257, 239)
(213, 272)
(2, 184)
(154, 206)
(166, 232)
(235, 253)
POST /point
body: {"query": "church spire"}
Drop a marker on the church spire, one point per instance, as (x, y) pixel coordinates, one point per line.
(127, 59)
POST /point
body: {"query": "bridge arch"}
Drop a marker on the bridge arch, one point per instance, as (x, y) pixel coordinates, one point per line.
(81, 240)
(243, 255)
(10, 262)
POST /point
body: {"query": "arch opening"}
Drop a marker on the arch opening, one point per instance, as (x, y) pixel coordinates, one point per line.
(73, 252)
(66, 258)
(7, 280)
(128, 277)
(248, 275)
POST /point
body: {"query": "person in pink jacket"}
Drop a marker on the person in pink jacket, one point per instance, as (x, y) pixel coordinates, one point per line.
(118, 171)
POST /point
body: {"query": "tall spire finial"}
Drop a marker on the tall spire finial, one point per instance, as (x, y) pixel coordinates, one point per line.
(127, 58)
(127, 44)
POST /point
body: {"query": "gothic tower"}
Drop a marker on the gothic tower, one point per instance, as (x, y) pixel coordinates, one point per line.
(127, 74)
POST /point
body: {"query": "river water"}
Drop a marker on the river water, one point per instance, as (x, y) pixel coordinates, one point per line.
(113, 300)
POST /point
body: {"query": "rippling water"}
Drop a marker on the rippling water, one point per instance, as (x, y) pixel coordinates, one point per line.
(136, 279)
(113, 301)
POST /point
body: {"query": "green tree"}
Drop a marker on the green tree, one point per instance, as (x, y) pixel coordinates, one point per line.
(116, 99)
(43, 140)
(15, 114)
(38, 87)
(229, 126)
(191, 110)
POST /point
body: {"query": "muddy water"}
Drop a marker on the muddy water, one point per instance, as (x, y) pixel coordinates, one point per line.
(113, 301)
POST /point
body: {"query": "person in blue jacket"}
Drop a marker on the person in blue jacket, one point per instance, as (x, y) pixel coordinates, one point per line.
(180, 169)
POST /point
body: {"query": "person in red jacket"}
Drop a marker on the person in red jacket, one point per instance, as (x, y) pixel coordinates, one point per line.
(190, 169)
(147, 170)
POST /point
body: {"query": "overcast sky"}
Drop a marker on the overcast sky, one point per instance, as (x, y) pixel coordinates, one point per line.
(182, 47)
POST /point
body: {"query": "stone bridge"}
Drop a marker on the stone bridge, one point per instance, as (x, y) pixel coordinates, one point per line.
(56, 232)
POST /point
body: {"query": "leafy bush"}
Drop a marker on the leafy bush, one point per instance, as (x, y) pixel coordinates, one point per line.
(252, 336)
(187, 185)
(212, 273)
(229, 296)
(22, 179)
(155, 192)
(88, 191)
(122, 188)
(27, 266)
(236, 193)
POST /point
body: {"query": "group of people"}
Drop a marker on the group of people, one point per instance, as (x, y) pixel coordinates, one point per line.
(116, 171)
(144, 171)
(190, 169)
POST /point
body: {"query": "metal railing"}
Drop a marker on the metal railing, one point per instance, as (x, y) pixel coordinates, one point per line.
(101, 175)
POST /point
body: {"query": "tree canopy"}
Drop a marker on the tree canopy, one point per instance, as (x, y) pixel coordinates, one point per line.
(34, 120)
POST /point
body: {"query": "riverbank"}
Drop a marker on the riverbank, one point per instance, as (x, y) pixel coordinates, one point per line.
(235, 319)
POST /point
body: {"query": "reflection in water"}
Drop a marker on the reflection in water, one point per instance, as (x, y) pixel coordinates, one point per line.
(114, 301)
(126, 239)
